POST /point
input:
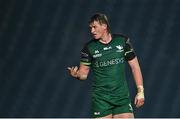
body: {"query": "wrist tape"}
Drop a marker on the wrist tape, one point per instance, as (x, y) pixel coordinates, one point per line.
(140, 94)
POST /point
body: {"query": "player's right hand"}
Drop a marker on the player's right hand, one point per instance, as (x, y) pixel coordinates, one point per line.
(73, 71)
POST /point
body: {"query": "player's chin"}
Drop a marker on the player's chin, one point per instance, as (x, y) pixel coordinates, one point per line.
(95, 37)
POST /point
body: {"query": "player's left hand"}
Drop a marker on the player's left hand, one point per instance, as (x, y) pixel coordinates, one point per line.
(139, 99)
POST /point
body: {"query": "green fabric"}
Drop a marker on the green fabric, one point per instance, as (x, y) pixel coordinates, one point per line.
(107, 62)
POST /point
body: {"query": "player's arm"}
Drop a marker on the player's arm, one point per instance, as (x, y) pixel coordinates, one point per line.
(136, 71)
(80, 73)
(130, 56)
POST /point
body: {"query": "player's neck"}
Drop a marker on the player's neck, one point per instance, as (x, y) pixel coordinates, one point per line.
(106, 38)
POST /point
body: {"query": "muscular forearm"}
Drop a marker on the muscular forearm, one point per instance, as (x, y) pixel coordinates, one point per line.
(137, 75)
(136, 71)
(81, 76)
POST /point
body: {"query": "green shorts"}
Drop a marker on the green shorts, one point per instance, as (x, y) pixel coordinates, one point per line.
(103, 106)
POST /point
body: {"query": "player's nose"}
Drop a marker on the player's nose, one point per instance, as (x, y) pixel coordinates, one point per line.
(92, 30)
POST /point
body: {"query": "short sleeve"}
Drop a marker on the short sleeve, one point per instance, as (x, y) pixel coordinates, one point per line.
(85, 56)
(129, 51)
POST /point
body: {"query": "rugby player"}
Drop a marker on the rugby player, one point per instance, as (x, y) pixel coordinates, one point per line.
(106, 55)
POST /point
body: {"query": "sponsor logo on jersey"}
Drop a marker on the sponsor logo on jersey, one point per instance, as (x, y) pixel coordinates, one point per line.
(130, 107)
(120, 48)
(109, 62)
(96, 51)
(84, 54)
(107, 48)
(97, 113)
(97, 55)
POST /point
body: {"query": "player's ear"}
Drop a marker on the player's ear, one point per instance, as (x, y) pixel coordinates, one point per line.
(104, 26)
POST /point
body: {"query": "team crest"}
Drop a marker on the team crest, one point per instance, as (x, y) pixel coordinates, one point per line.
(120, 48)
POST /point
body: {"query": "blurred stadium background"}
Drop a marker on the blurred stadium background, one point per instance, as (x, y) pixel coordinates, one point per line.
(40, 38)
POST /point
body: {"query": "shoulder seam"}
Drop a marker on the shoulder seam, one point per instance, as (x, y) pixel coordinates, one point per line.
(121, 35)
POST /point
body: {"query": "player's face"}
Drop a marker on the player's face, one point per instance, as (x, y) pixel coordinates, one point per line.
(97, 29)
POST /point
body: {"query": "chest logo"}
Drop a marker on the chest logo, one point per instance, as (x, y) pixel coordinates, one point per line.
(120, 48)
(97, 54)
(96, 51)
(107, 48)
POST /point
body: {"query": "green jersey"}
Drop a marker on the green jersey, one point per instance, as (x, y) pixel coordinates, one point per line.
(107, 62)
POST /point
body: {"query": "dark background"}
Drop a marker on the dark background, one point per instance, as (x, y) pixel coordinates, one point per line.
(40, 38)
